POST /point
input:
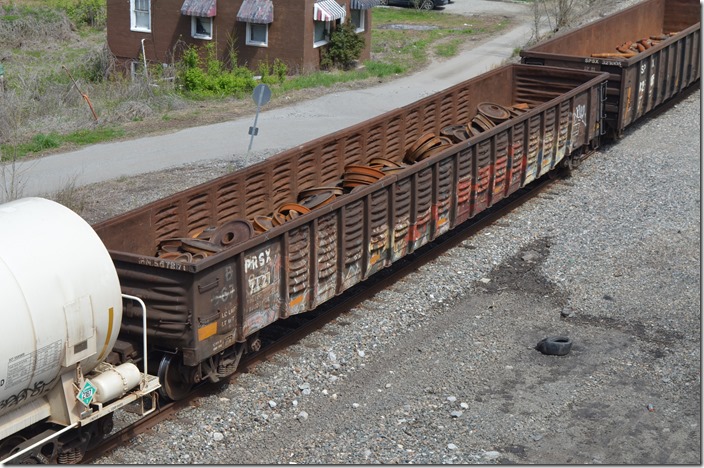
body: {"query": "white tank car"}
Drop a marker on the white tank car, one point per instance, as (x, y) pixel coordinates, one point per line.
(60, 314)
(61, 299)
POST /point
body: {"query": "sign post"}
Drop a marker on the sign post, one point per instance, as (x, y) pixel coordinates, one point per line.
(261, 95)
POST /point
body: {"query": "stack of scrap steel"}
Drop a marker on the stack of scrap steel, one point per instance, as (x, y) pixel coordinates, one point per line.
(632, 48)
(208, 241)
(355, 175)
(214, 239)
(489, 115)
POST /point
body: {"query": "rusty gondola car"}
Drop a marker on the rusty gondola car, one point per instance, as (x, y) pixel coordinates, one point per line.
(650, 50)
(207, 303)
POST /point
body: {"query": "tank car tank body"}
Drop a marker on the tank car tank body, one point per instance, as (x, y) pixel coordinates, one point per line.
(61, 313)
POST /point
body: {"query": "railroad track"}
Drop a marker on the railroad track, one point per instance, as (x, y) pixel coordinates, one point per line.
(282, 336)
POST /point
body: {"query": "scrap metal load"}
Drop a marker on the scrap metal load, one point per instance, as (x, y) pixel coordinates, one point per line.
(632, 48)
(204, 242)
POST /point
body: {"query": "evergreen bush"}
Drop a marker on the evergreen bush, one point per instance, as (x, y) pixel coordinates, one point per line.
(345, 46)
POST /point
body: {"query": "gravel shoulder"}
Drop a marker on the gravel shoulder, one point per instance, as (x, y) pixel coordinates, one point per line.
(441, 368)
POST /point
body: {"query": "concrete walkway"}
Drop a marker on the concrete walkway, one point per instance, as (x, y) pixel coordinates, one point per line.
(280, 128)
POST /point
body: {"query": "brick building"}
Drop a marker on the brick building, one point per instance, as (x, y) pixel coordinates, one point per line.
(293, 31)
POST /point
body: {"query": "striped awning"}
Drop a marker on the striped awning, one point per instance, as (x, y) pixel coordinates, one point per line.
(363, 4)
(328, 10)
(198, 8)
(256, 11)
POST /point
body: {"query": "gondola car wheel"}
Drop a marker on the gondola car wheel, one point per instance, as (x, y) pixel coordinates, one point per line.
(176, 379)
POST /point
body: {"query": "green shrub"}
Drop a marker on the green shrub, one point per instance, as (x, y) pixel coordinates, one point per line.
(92, 13)
(345, 45)
(265, 73)
(212, 79)
(325, 59)
(273, 74)
(280, 70)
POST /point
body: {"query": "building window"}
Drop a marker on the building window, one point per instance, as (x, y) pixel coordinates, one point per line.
(257, 34)
(141, 15)
(357, 17)
(201, 27)
(321, 33)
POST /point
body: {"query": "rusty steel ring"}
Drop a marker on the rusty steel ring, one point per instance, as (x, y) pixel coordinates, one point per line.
(423, 139)
(306, 193)
(493, 111)
(383, 163)
(426, 146)
(316, 201)
(232, 233)
(262, 223)
(482, 123)
(364, 170)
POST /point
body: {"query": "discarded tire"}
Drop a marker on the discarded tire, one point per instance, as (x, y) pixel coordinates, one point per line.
(555, 345)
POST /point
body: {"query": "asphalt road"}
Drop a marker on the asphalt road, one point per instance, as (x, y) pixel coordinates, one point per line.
(279, 128)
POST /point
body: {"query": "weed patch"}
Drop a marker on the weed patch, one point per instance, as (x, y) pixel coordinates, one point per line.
(42, 142)
(209, 78)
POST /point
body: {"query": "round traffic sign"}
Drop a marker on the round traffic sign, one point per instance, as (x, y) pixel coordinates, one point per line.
(261, 94)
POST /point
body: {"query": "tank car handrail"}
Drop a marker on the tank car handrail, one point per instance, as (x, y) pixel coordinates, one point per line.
(144, 335)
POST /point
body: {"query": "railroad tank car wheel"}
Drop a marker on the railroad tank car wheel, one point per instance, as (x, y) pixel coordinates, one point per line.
(8, 445)
(175, 378)
(566, 166)
(36, 459)
(99, 429)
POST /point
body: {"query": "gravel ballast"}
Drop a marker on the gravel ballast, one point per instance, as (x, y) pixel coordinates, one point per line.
(442, 367)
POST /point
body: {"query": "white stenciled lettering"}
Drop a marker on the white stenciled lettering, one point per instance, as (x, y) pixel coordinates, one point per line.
(258, 282)
(251, 263)
(257, 261)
